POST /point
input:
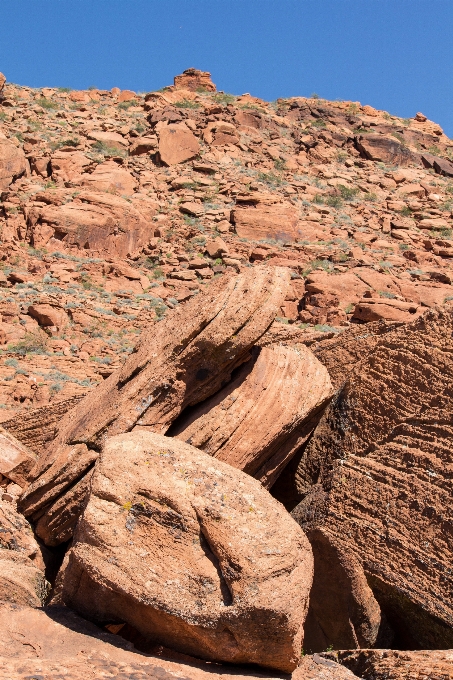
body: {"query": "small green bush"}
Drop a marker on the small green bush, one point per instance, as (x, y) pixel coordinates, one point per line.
(46, 103)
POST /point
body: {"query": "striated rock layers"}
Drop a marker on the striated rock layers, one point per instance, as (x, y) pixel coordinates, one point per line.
(188, 360)
(258, 421)
(381, 465)
(192, 553)
(390, 664)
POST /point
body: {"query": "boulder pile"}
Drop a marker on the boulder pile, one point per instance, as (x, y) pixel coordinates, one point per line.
(226, 375)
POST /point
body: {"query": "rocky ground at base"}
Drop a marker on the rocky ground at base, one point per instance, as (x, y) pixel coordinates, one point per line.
(225, 333)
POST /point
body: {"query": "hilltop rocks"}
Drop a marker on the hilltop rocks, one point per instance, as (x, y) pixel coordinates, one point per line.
(380, 460)
(192, 553)
(112, 178)
(177, 144)
(2, 82)
(257, 422)
(192, 79)
(191, 357)
(12, 162)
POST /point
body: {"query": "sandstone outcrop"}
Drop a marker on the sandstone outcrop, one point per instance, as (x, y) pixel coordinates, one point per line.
(384, 149)
(21, 582)
(194, 80)
(262, 217)
(391, 664)
(259, 420)
(380, 464)
(188, 360)
(12, 162)
(192, 553)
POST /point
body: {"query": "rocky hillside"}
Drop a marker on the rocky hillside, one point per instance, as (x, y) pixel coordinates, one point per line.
(225, 386)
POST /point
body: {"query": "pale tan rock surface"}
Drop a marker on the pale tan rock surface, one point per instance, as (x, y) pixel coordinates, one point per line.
(257, 422)
(188, 359)
(192, 553)
(16, 460)
(21, 582)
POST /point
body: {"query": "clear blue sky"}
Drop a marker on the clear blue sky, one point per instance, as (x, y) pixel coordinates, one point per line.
(396, 55)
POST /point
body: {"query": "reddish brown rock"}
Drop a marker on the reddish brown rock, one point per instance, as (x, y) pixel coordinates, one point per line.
(2, 82)
(177, 144)
(190, 357)
(385, 309)
(261, 217)
(111, 140)
(16, 460)
(12, 162)
(391, 664)
(192, 79)
(384, 149)
(16, 535)
(61, 645)
(68, 166)
(97, 221)
(110, 177)
(258, 421)
(237, 572)
(21, 582)
(381, 460)
(48, 315)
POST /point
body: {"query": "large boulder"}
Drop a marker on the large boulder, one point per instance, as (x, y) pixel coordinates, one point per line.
(110, 177)
(16, 460)
(177, 144)
(13, 163)
(258, 421)
(262, 216)
(385, 149)
(186, 359)
(376, 478)
(192, 553)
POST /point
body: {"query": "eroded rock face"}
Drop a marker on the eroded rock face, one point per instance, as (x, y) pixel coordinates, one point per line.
(380, 459)
(12, 162)
(16, 460)
(263, 217)
(192, 553)
(257, 422)
(21, 582)
(193, 353)
(390, 664)
(384, 149)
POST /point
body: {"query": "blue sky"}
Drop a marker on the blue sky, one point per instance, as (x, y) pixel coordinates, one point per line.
(396, 55)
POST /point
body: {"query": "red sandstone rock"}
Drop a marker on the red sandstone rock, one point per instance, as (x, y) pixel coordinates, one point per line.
(188, 359)
(384, 149)
(2, 82)
(192, 79)
(381, 458)
(16, 460)
(12, 162)
(110, 177)
(237, 569)
(21, 582)
(177, 144)
(390, 664)
(257, 422)
(262, 217)
(47, 315)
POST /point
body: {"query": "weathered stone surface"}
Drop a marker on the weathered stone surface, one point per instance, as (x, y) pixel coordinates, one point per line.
(2, 82)
(192, 79)
(343, 611)
(48, 315)
(263, 217)
(12, 162)
(193, 553)
(257, 422)
(60, 645)
(188, 359)
(386, 310)
(21, 582)
(16, 460)
(177, 144)
(391, 664)
(385, 149)
(380, 460)
(110, 139)
(16, 534)
(68, 166)
(98, 221)
(110, 177)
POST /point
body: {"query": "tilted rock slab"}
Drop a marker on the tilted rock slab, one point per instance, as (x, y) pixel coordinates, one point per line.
(16, 460)
(180, 362)
(393, 664)
(382, 460)
(192, 553)
(258, 421)
(12, 162)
